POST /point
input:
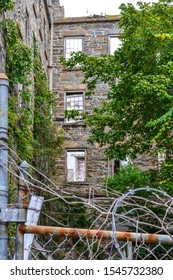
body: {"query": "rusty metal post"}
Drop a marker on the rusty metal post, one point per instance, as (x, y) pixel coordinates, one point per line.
(22, 191)
(4, 84)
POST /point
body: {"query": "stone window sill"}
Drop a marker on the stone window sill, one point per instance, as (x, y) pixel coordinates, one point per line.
(79, 123)
(76, 183)
(71, 69)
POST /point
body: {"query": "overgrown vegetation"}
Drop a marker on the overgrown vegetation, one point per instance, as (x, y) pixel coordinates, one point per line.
(136, 115)
(130, 177)
(18, 69)
(127, 177)
(6, 5)
(138, 109)
(32, 134)
(48, 137)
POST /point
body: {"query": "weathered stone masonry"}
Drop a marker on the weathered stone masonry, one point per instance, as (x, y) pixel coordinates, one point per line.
(35, 21)
(95, 33)
(2, 49)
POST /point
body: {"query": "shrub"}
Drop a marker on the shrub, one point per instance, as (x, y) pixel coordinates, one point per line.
(128, 177)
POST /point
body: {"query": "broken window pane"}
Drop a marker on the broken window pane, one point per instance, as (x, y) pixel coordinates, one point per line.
(74, 101)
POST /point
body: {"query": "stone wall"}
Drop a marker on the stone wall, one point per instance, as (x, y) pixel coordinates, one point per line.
(58, 10)
(95, 33)
(34, 19)
(2, 50)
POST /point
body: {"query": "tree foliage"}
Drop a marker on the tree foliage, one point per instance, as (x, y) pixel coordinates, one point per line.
(139, 105)
(32, 133)
(128, 177)
(6, 5)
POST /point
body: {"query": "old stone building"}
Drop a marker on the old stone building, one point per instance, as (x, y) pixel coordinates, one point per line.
(2, 49)
(83, 164)
(35, 22)
(26, 58)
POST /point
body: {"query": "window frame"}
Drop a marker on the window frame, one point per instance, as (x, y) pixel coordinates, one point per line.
(74, 94)
(85, 165)
(116, 165)
(72, 38)
(109, 42)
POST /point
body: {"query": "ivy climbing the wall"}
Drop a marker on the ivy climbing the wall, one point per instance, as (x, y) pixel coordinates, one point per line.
(48, 137)
(18, 69)
(32, 134)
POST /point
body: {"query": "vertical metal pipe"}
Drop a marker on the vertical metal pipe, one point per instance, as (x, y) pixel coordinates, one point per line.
(22, 192)
(129, 250)
(4, 84)
(51, 47)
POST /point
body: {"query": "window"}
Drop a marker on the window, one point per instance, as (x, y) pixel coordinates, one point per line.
(74, 101)
(76, 166)
(73, 45)
(125, 162)
(115, 165)
(161, 158)
(114, 43)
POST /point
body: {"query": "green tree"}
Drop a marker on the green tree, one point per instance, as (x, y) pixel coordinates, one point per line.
(137, 113)
(6, 5)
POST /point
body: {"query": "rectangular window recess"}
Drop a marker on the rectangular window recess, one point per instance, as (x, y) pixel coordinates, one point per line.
(74, 101)
(76, 165)
(72, 44)
(114, 43)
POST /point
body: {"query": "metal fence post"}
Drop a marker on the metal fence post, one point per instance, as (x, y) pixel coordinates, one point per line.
(22, 192)
(4, 84)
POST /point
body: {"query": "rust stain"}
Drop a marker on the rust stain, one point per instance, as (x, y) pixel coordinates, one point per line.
(90, 233)
(3, 76)
(123, 236)
(23, 195)
(152, 238)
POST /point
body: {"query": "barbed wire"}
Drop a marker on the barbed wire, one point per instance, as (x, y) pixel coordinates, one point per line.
(144, 210)
(139, 211)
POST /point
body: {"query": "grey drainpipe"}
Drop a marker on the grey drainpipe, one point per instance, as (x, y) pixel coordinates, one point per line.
(4, 84)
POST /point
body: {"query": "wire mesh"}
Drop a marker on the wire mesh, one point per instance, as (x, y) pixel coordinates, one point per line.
(146, 211)
(142, 211)
(78, 248)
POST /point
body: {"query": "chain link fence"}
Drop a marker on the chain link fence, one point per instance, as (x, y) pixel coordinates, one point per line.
(137, 225)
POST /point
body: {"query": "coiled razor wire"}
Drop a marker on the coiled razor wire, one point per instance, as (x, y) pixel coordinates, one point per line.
(146, 214)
